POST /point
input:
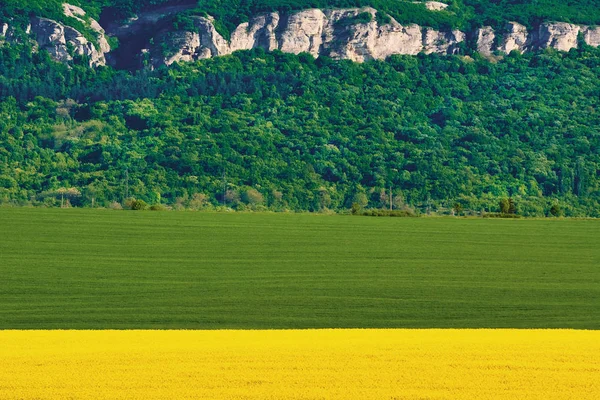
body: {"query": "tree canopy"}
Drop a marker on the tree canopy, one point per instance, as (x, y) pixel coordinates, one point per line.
(279, 131)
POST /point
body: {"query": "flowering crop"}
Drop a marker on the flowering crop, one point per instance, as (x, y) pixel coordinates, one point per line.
(299, 364)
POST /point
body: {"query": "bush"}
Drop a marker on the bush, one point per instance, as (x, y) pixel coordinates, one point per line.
(115, 206)
(362, 18)
(253, 197)
(388, 213)
(457, 208)
(555, 210)
(138, 205)
(382, 18)
(500, 215)
(508, 206)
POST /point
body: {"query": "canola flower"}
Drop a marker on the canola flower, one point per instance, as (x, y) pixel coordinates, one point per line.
(301, 364)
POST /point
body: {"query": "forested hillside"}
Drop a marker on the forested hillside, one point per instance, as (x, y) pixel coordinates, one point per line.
(278, 131)
(463, 14)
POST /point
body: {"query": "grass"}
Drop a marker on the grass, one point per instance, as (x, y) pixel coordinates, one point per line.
(92, 269)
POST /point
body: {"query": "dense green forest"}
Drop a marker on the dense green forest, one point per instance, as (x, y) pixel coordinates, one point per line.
(271, 130)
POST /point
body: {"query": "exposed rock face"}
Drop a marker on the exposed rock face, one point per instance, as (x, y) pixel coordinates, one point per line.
(485, 40)
(303, 33)
(516, 38)
(62, 42)
(557, 35)
(78, 13)
(259, 32)
(57, 38)
(442, 42)
(592, 36)
(330, 32)
(335, 33)
(73, 11)
(435, 6)
(8, 34)
(560, 36)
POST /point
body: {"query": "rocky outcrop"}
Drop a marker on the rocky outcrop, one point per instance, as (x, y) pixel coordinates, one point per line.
(435, 5)
(338, 33)
(78, 13)
(442, 42)
(63, 42)
(303, 33)
(8, 34)
(335, 33)
(57, 39)
(557, 35)
(485, 40)
(516, 37)
(592, 36)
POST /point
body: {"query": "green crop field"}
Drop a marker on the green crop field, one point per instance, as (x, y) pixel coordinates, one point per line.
(116, 269)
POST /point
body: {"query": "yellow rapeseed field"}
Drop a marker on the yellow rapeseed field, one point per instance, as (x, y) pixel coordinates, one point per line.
(301, 364)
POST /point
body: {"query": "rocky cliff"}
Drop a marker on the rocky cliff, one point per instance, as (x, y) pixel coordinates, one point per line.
(353, 34)
(335, 33)
(63, 42)
(558, 35)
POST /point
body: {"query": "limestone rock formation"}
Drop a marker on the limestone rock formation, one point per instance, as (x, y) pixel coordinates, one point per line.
(560, 36)
(78, 13)
(442, 42)
(303, 33)
(485, 40)
(435, 5)
(62, 42)
(592, 36)
(334, 33)
(56, 39)
(557, 35)
(516, 38)
(337, 33)
(8, 34)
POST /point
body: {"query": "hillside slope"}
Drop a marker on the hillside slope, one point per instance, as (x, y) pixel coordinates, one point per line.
(162, 32)
(268, 130)
(291, 132)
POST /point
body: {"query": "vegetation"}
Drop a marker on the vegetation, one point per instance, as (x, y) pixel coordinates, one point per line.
(92, 269)
(278, 131)
(350, 364)
(388, 213)
(462, 14)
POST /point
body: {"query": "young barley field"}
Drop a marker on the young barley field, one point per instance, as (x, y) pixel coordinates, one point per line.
(101, 269)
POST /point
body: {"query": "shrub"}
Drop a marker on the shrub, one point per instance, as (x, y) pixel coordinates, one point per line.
(382, 18)
(115, 205)
(362, 18)
(388, 213)
(508, 206)
(500, 215)
(457, 208)
(253, 197)
(555, 210)
(138, 205)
